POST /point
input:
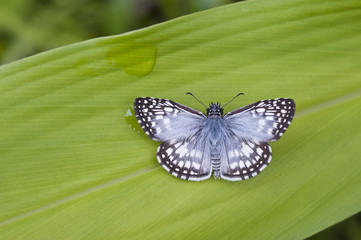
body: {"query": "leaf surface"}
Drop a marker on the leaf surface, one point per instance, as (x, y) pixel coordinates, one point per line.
(73, 164)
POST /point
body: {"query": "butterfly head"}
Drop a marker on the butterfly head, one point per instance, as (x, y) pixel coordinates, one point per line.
(214, 110)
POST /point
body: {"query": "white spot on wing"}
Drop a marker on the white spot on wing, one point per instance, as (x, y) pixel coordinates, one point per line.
(236, 152)
(169, 151)
(241, 164)
(260, 110)
(196, 165)
(233, 165)
(263, 167)
(246, 150)
(182, 150)
(259, 151)
(187, 164)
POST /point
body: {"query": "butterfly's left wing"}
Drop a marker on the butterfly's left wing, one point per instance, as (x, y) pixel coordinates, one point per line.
(245, 152)
(263, 121)
(163, 119)
(243, 159)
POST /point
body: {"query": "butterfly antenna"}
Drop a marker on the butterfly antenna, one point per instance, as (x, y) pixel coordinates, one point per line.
(197, 99)
(232, 99)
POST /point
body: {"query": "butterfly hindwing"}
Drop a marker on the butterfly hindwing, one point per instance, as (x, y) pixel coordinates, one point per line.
(185, 159)
(163, 119)
(243, 159)
(263, 121)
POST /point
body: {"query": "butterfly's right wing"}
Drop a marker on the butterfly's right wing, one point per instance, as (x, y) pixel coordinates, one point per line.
(187, 159)
(163, 119)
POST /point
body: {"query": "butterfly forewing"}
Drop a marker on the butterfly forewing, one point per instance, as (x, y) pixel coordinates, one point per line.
(186, 159)
(263, 121)
(163, 119)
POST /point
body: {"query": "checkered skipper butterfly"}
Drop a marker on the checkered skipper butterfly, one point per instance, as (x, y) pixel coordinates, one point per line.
(234, 146)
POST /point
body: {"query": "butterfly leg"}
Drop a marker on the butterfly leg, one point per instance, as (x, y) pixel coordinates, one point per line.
(216, 164)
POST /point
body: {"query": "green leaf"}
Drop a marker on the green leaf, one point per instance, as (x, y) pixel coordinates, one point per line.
(74, 167)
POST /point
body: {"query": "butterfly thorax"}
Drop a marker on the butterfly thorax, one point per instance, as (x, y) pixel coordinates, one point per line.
(214, 126)
(214, 110)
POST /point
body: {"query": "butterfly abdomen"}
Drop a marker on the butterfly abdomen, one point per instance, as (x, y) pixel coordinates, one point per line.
(216, 164)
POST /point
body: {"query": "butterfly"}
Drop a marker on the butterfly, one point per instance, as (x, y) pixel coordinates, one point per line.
(234, 146)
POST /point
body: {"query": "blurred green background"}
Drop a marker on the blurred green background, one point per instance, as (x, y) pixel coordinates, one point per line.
(28, 27)
(31, 26)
